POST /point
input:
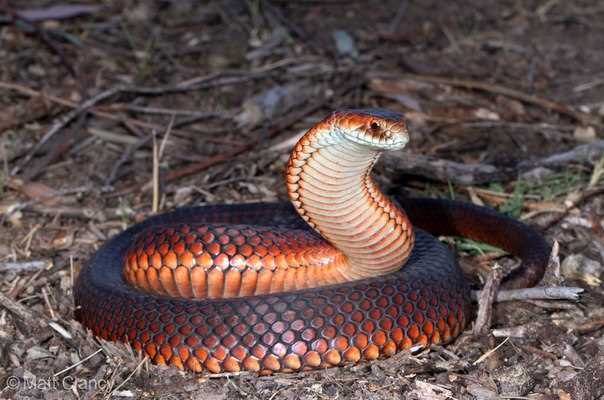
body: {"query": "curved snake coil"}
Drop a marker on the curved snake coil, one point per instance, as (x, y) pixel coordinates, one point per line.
(276, 287)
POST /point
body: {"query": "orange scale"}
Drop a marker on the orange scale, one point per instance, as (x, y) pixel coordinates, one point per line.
(361, 341)
(259, 351)
(333, 357)
(190, 238)
(222, 261)
(170, 260)
(341, 343)
(150, 350)
(230, 249)
(435, 338)
(238, 262)
(159, 359)
(379, 338)
(196, 248)
(204, 260)
(260, 251)
(371, 352)
(353, 355)
(320, 345)
(194, 365)
(141, 279)
(291, 260)
(251, 364)
(153, 280)
(232, 283)
(183, 282)
(166, 279)
(166, 351)
(271, 363)
(199, 282)
(254, 262)
(192, 341)
(389, 348)
(220, 353)
(246, 250)
(423, 340)
(183, 353)
(413, 332)
(155, 260)
(231, 364)
(208, 237)
(428, 328)
(254, 241)
(238, 239)
(274, 250)
(213, 248)
(292, 361)
(248, 282)
(239, 352)
(202, 229)
(150, 249)
(269, 262)
(281, 261)
(186, 259)
(397, 335)
(299, 348)
(179, 247)
(215, 283)
(312, 359)
(200, 354)
(212, 365)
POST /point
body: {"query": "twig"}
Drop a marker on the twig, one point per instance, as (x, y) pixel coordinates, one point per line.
(25, 266)
(485, 301)
(155, 176)
(587, 194)
(64, 121)
(127, 378)
(490, 352)
(444, 170)
(72, 366)
(274, 130)
(536, 293)
(125, 157)
(20, 311)
(581, 117)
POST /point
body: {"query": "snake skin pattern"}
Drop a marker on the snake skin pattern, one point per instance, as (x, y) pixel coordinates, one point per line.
(425, 302)
(312, 284)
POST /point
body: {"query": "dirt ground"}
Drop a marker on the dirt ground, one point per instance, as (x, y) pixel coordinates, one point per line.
(505, 101)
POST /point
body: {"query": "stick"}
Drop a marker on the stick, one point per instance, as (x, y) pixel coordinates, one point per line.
(581, 117)
(536, 293)
(486, 299)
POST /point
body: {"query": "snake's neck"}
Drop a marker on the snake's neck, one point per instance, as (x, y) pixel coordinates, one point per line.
(329, 184)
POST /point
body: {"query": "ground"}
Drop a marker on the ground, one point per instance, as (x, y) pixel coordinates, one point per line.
(505, 105)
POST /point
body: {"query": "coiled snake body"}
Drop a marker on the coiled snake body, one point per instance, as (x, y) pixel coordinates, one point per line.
(272, 287)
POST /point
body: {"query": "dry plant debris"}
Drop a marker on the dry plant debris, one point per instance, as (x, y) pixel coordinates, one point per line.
(111, 111)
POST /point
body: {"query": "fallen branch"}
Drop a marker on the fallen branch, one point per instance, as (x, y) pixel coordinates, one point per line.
(486, 298)
(444, 170)
(21, 312)
(581, 117)
(24, 266)
(535, 293)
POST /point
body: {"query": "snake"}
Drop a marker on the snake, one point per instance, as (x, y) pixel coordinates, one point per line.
(340, 274)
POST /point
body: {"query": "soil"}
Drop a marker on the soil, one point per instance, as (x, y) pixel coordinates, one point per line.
(89, 92)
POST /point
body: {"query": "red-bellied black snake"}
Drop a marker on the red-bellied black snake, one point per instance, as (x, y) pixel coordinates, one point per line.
(255, 287)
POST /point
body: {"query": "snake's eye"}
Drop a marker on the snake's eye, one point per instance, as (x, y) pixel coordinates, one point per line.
(375, 126)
